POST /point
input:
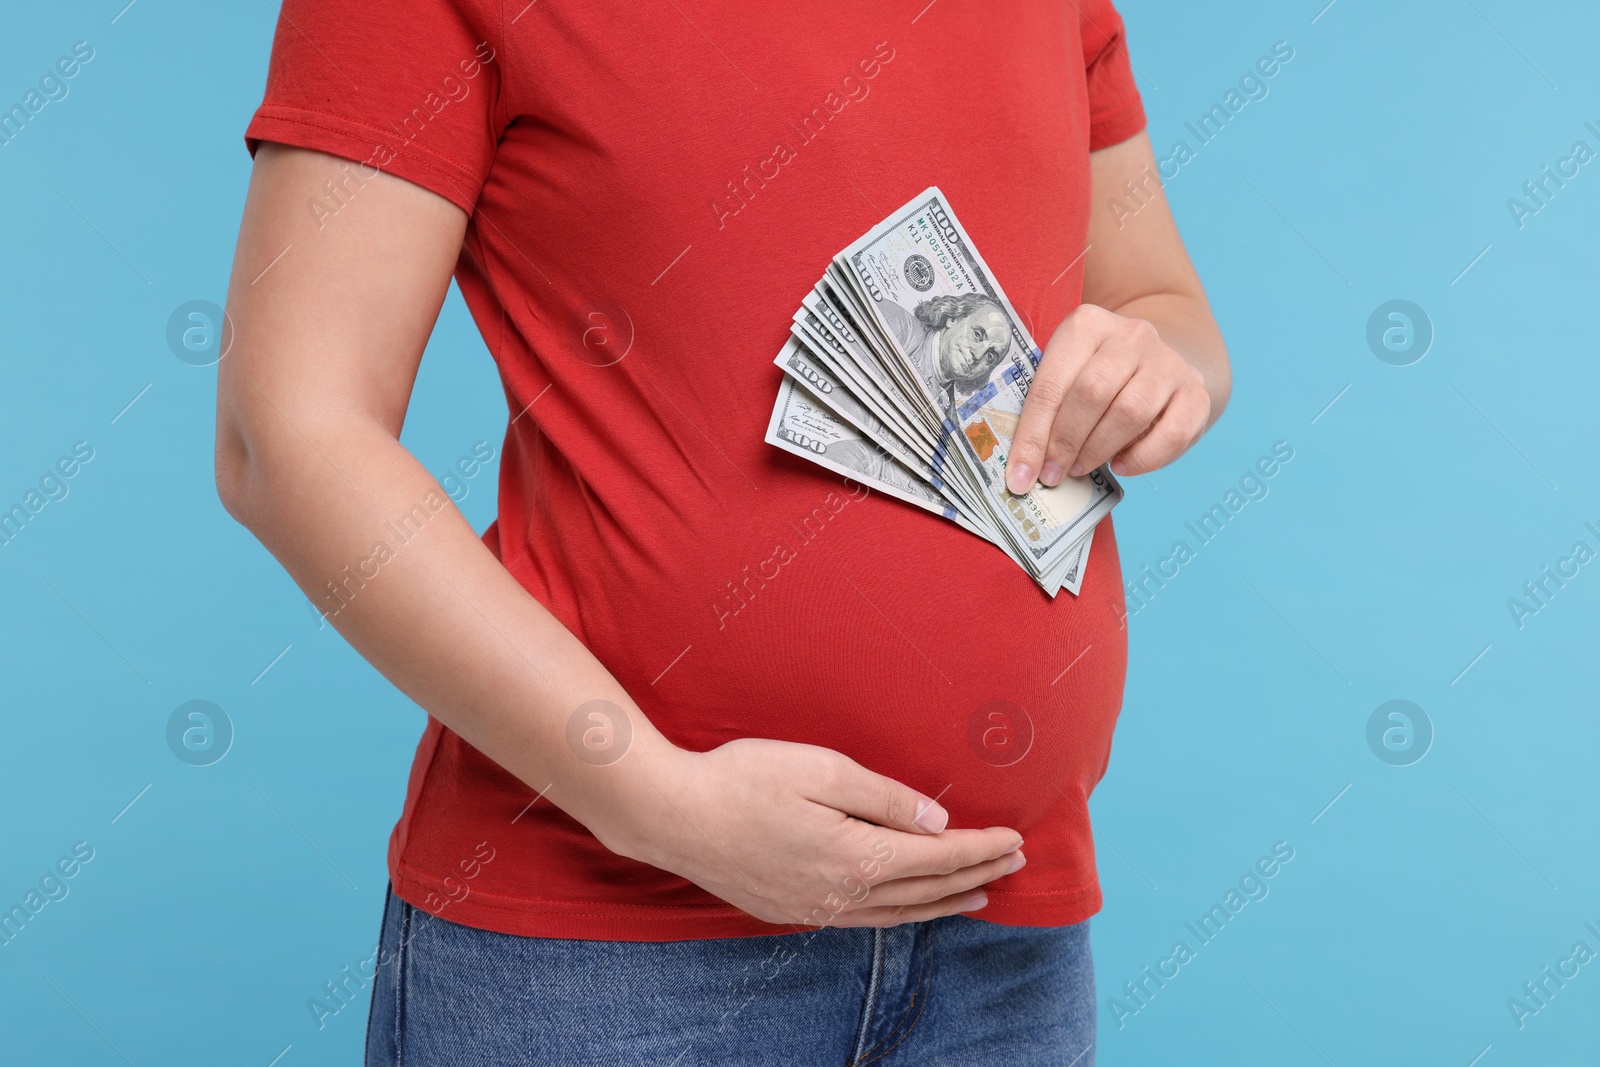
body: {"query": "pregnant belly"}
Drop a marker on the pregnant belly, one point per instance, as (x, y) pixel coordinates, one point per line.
(939, 664)
(904, 643)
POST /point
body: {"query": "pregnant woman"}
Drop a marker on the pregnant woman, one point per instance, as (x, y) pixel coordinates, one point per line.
(728, 760)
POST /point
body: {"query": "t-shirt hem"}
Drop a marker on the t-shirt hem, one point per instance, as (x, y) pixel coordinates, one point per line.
(360, 143)
(1066, 907)
(596, 921)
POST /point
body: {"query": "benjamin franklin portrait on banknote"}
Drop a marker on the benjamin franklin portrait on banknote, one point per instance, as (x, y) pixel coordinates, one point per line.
(954, 342)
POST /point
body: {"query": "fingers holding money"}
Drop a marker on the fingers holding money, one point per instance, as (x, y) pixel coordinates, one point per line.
(1179, 426)
(1108, 388)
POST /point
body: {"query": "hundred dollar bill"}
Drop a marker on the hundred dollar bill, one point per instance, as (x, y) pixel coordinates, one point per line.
(803, 425)
(816, 338)
(817, 349)
(820, 386)
(867, 361)
(820, 397)
(1070, 575)
(954, 337)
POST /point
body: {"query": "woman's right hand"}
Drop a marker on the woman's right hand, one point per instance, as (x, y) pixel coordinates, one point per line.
(793, 833)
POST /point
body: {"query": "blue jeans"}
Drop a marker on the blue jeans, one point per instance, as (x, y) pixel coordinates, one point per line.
(946, 992)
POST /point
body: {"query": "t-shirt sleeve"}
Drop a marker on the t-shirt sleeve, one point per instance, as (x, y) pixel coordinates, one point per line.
(1116, 112)
(409, 87)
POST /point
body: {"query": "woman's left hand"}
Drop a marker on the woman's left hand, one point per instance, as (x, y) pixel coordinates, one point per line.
(1107, 388)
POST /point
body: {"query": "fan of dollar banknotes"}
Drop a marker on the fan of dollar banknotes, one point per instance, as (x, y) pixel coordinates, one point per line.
(905, 370)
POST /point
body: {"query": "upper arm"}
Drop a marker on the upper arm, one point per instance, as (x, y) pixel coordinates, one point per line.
(330, 312)
(376, 133)
(1134, 248)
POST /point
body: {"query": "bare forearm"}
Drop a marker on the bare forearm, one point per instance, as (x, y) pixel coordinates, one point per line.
(310, 402)
(370, 537)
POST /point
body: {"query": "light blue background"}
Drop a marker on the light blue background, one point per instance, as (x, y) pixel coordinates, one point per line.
(1379, 567)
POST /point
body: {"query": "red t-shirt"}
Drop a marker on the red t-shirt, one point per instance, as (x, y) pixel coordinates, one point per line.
(652, 189)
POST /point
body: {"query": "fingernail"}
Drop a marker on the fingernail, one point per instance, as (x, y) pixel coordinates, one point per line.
(1052, 473)
(1020, 480)
(1018, 861)
(974, 902)
(1077, 470)
(1119, 467)
(933, 818)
